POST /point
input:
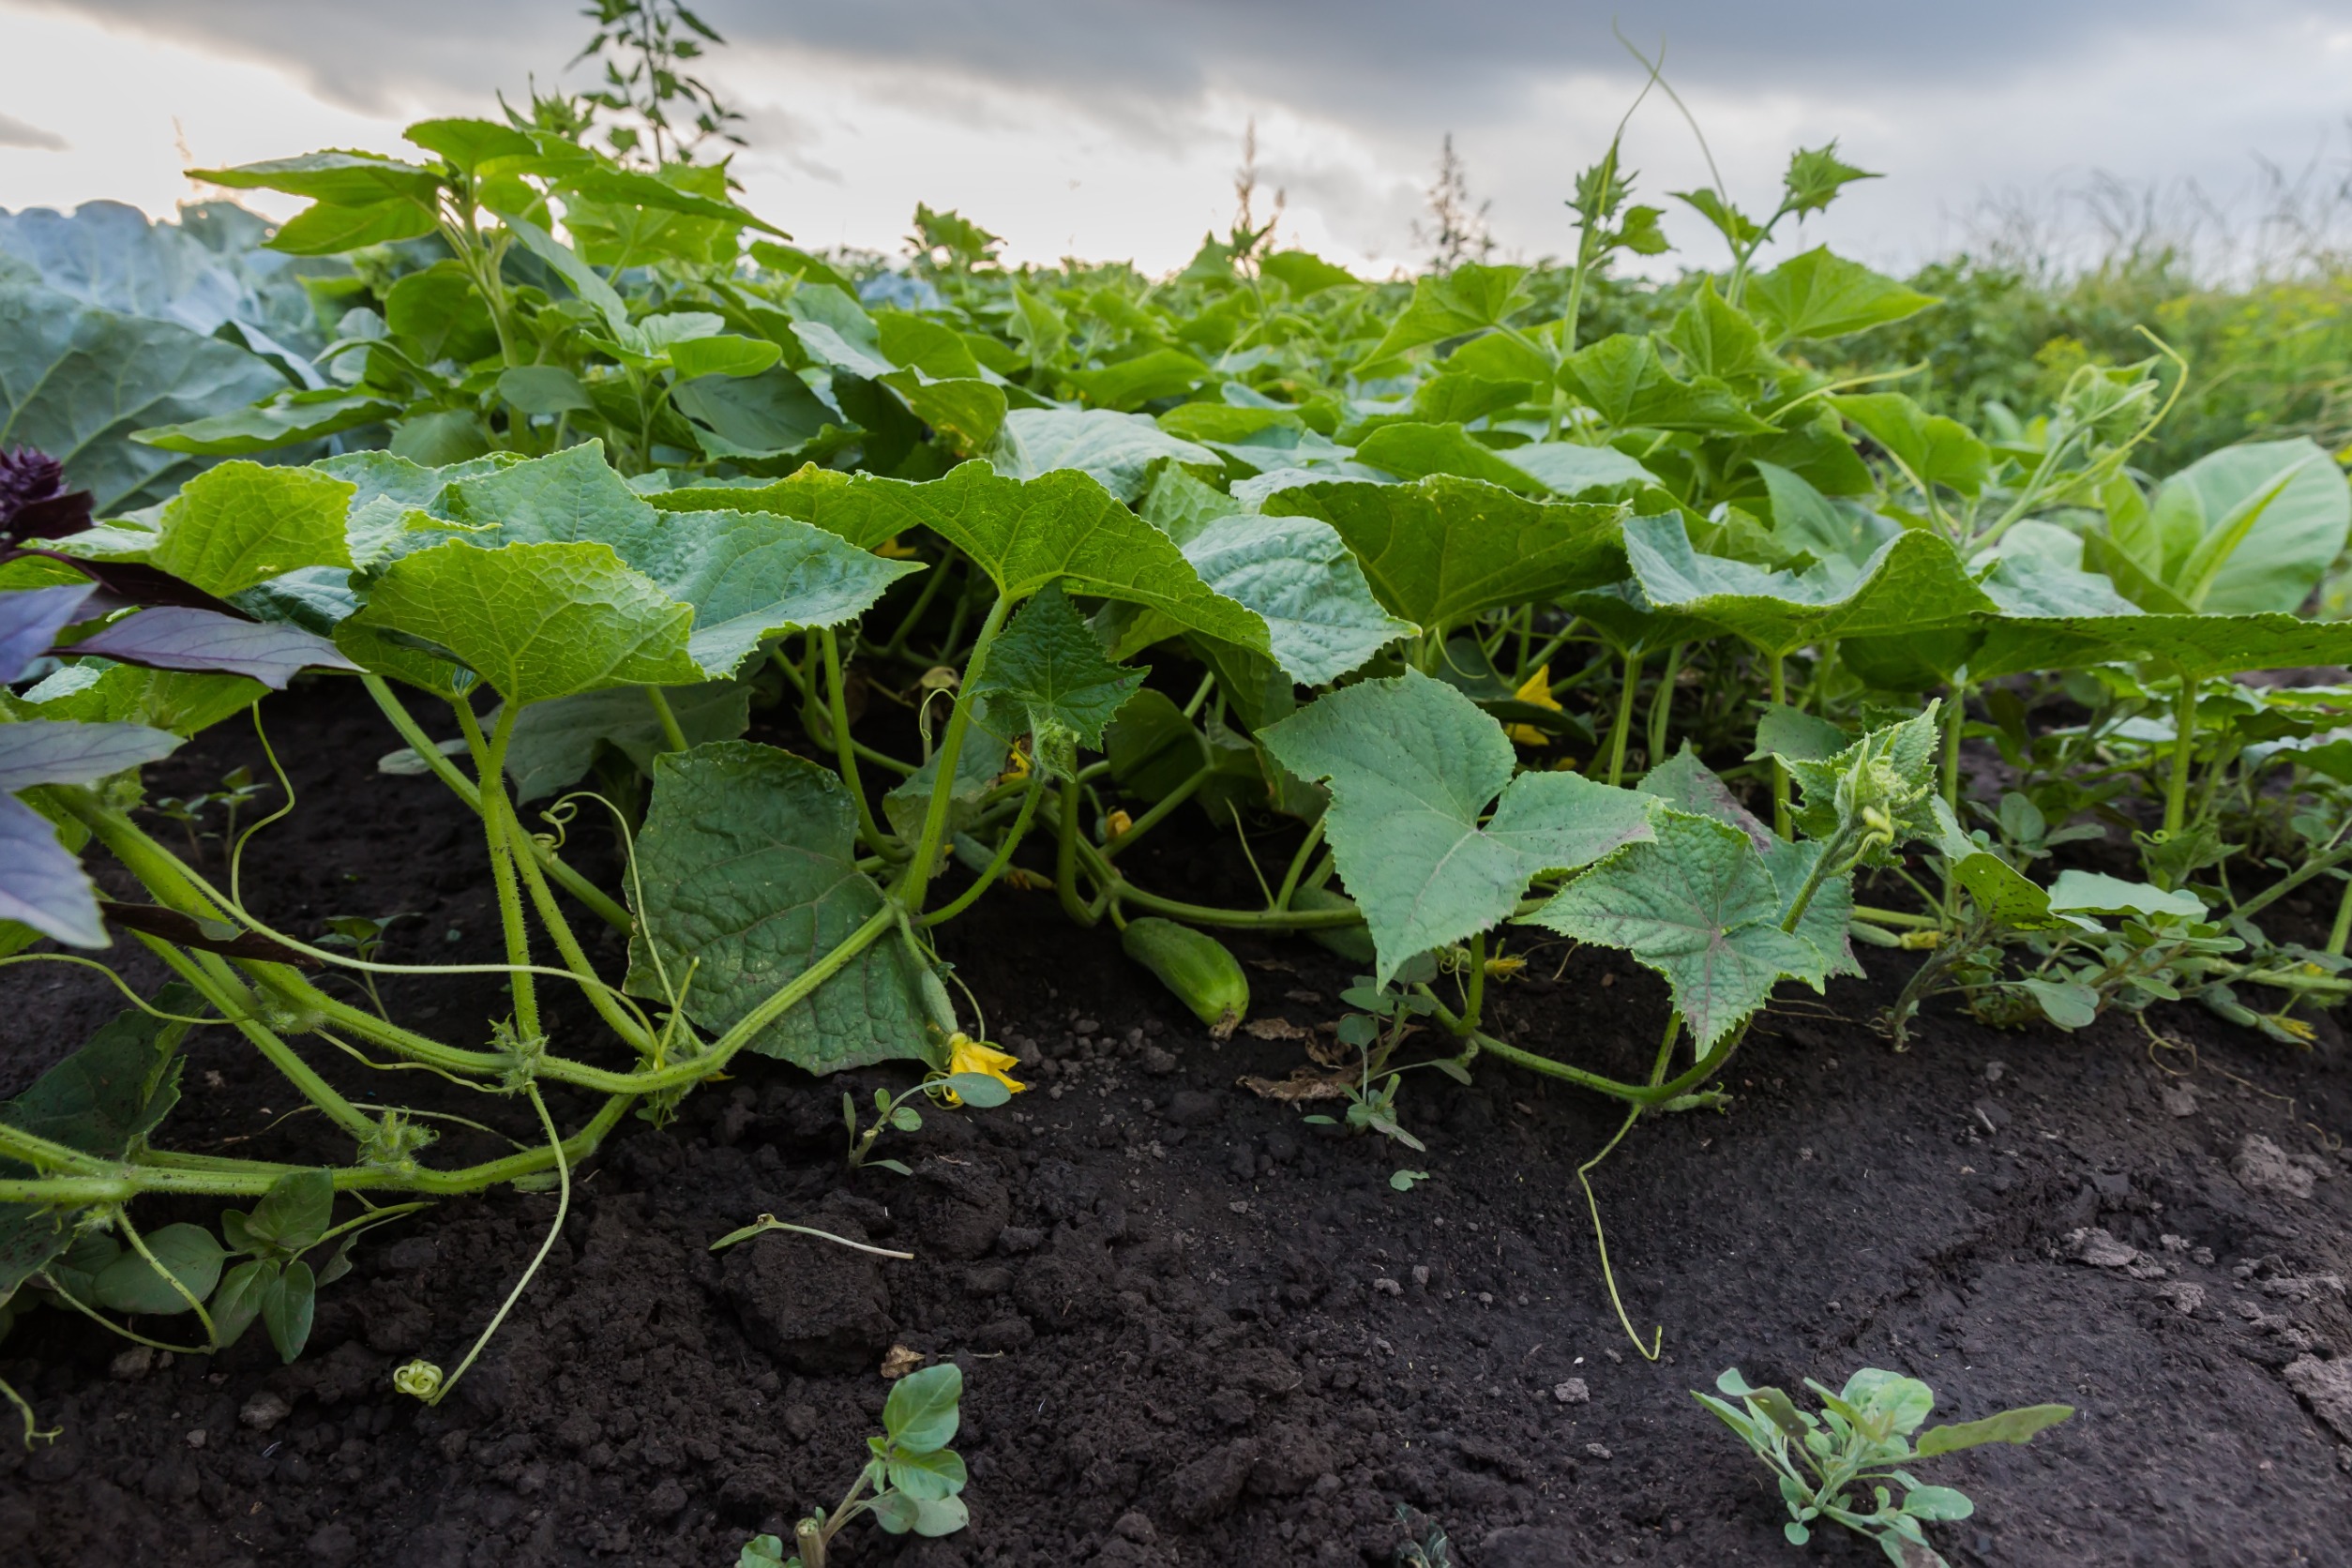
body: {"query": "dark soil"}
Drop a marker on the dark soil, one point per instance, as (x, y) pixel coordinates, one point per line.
(1194, 1330)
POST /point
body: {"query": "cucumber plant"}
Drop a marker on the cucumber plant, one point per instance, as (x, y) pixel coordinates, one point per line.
(1481, 611)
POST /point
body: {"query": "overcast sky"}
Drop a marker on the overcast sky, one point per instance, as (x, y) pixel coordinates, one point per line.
(1109, 129)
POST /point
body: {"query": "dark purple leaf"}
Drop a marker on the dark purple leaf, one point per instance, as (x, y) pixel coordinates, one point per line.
(175, 638)
(30, 620)
(212, 935)
(41, 883)
(130, 582)
(52, 519)
(61, 751)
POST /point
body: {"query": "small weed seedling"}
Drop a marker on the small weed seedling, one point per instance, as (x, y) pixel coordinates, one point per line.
(978, 1075)
(1863, 1437)
(915, 1476)
(1425, 1544)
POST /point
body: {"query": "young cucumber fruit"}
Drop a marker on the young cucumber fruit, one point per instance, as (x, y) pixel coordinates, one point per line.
(1195, 966)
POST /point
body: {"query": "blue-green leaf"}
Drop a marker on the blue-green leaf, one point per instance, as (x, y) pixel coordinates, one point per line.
(1413, 765)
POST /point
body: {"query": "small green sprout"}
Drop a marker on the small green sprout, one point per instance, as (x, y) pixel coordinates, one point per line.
(1864, 1436)
(237, 788)
(915, 1477)
(1425, 1543)
(364, 935)
(977, 1075)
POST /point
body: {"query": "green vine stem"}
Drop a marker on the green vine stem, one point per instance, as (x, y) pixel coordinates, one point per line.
(997, 863)
(672, 736)
(1636, 1094)
(1065, 855)
(1955, 721)
(563, 1208)
(1623, 726)
(915, 881)
(120, 1182)
(1299, 861)
(1120, 842)
(607, 909)
(2183, 751)
(1661, 706)
(215, 985)
(1593, 1201)
(139, 1245)
(1777, 669)
(34, 1430)
(837, 701)
(490, 769)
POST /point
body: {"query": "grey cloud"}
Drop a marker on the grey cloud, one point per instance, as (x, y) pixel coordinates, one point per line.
(1951, 100)
(17, 133)
(1356, 59)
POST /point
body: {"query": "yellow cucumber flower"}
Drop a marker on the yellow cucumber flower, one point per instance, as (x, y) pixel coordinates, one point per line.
(1536, 692)
(968, 1055)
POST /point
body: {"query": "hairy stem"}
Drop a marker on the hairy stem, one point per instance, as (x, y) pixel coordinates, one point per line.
(916, 880)
(1661, 705)
(563, 1208)
(868, 831)
(490, 761)
(1159, 813)
(998, 862)
(1625, 724)
(2183, 749)
(1777, 668)
(606, 909)
(1299, 864)
(672, 736)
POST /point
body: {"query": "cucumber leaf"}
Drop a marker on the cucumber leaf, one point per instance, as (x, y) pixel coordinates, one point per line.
(1443, 549)
(1698, 904)
(536, 621)
(1912, 583)
(1820, 296)
(1117, 450)
(747, 575)
(1413, 765)
(747, 877)
(1412, 451)
(1296, 572)
(1060, 527)
(1046, 674)
(1468, 298)
(242, 523)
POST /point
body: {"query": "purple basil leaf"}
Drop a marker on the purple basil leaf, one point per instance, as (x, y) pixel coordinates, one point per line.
(40, 883)
(30, 620)
(176, 637)
(134, 582)
(52, 518)
(212, 935)
(61, 751)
